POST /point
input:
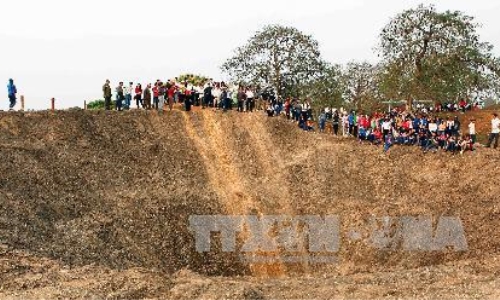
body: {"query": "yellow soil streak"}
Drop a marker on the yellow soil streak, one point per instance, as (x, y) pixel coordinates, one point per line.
(222, 172)
(274, 168)
(212, 144)
(271, 162)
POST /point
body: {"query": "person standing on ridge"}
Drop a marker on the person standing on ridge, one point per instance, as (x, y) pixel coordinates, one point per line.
(472, 131)
(119, 96)
(241, 99)
(156, 96)
(11, 91)
(147, 97)
(171, 96)
(207, 96)
(106, 89)
(335, 123)
(161, 96)
(138, 96)
(128, 95)
(495, 131)
(250, 95)
(224, 99)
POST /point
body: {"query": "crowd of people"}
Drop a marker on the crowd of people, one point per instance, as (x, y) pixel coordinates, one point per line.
(398, 127)
(401, 128)
(438, 107)
(217, 95)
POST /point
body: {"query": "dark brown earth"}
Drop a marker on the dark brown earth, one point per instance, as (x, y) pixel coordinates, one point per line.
(96, 205)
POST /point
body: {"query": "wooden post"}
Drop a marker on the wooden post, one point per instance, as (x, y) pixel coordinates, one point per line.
(52, 104)
(22, 103)
(85, 104)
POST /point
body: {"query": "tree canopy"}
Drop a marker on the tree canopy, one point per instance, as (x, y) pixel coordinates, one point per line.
(435, 55)
(326, 89)
(278, 56)
(360, 82)
(425, 54)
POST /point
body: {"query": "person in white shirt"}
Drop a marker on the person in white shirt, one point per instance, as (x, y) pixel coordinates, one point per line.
(495, 131)
(128, 90)
(345, 124)
(216, 93)
(472, 131)
(199, 90)
(433, 126)
(386, 127)
(450, 124)
(250, 100)
(305, 109)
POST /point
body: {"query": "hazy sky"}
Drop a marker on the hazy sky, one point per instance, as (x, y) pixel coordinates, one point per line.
(66, 49)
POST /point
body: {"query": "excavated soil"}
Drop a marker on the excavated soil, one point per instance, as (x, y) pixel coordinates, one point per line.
(96, 205)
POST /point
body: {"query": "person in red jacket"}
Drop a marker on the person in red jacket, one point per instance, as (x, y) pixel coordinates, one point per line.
(287, 108)
(171, 95)
(406, 125)
(138, 95)
(377, 137)
(156, 95)
(363, 122)
(462, 104)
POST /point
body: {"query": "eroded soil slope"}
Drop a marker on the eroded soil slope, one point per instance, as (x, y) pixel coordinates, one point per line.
(98, 203)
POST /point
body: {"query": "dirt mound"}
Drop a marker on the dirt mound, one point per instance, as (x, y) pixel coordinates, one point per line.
(115, 191)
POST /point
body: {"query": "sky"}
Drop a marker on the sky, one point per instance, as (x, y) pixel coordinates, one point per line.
(67, 49)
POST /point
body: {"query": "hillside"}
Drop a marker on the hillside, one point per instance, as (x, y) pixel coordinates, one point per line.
(98, 203)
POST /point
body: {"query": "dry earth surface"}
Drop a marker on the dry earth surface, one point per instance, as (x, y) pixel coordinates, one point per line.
(95, 205)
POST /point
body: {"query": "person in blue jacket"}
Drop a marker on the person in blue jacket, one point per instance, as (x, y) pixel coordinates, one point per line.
(11, 91)
(352, 122)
